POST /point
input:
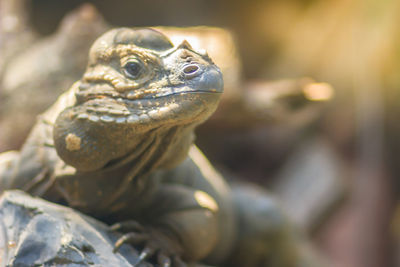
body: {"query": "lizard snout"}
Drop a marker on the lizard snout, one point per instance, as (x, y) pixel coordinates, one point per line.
(207, 79)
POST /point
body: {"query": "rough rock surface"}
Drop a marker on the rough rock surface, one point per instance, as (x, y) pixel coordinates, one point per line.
(34, 232)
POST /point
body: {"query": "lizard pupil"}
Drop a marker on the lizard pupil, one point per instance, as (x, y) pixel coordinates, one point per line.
(133, 69)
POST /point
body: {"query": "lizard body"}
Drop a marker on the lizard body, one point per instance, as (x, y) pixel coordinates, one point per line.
(106, 145)
(119, 146)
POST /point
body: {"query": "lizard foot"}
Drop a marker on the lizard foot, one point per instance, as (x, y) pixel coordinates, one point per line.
(155, 244)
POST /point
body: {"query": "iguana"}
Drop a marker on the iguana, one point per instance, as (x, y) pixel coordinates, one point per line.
(119, 146)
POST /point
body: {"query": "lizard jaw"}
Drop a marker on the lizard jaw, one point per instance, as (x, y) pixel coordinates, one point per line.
(172, 108)
(196, 92)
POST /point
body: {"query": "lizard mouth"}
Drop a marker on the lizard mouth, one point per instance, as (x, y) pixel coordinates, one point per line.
(164, 105)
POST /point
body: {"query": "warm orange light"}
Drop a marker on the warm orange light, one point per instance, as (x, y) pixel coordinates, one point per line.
(318, 91)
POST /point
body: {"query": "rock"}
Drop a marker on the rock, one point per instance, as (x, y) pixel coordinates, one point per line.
(34, 232)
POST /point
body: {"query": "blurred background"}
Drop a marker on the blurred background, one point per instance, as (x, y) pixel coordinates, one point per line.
(310, 107)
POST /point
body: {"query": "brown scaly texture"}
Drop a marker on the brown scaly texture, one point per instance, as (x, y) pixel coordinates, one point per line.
(119, 146)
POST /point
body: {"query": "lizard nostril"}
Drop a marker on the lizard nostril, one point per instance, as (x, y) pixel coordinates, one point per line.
(191, 70)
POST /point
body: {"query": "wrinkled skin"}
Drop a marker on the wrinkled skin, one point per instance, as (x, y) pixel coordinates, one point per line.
(119, 146)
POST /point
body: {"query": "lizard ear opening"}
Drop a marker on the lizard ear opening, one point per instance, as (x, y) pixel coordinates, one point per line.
(146, 38)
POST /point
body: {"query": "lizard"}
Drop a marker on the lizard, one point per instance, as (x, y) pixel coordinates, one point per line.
(244, 105)
(119, 146)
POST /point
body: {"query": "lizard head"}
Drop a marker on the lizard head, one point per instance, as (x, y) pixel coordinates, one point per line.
(136, 82)
(137, 77)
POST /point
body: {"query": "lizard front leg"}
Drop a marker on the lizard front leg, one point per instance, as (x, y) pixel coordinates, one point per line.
(180, 222)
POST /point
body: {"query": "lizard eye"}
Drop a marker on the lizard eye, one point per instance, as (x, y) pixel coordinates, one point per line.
(133, 69)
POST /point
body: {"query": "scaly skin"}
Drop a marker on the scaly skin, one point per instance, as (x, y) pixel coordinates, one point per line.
(106, 145)
(119, 146)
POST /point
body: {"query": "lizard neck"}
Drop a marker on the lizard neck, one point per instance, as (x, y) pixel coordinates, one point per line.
(174, 146)
(95, 191)
(161, 148)
(91, 145)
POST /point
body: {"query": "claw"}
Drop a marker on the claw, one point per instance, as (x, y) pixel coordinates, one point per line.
(147, 251)
(127, 226)
(132, 238)
(153, 245)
